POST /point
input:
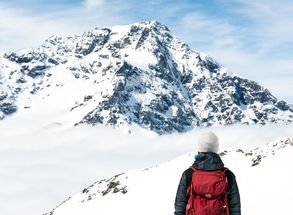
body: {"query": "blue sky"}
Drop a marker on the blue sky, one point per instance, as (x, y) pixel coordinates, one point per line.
(251, 38)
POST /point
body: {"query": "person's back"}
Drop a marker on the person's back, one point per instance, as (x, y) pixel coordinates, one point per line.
(201, 177)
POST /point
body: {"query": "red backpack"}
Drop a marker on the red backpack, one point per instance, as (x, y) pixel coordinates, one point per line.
(208, 193)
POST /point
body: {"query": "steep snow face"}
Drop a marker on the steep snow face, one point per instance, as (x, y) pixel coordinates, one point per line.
(263, 178)
(139, 74)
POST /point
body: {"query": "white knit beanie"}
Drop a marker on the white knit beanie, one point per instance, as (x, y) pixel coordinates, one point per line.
(208, 142)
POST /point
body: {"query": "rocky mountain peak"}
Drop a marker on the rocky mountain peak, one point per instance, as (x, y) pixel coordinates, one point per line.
(138, 73)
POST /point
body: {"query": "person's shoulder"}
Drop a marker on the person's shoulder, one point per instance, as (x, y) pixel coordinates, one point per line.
(230, 177)
(188, 171)
(187, 175)
(229, 173)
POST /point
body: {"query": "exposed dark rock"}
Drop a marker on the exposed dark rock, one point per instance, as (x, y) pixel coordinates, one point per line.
(256, 160)
(53, 61)
(223, 153)
(144, 35)
(87, 98)
(36, 71)
(3, 95)
(8, 108)
(282, 105)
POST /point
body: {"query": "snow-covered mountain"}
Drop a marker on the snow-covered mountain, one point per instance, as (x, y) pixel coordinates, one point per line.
(138, 73)
(263, 176)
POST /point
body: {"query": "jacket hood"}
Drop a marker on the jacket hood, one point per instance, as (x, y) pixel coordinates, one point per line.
(208, 161)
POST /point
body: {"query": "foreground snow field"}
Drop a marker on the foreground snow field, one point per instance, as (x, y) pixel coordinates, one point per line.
(263, 174)
(43, 164)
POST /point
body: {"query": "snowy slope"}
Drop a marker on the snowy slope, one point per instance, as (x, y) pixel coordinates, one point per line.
(135, 74)
(264, 177)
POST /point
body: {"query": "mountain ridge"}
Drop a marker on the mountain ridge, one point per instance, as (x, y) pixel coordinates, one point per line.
(138, 73)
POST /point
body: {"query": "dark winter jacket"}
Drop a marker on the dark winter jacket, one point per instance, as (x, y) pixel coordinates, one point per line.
(207, 161)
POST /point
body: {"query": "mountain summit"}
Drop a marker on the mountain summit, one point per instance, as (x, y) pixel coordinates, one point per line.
(138, 73)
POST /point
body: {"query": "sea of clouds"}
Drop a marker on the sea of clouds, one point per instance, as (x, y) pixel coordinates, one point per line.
(40, 166)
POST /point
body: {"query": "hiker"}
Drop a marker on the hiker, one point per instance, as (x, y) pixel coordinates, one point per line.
(207, 188)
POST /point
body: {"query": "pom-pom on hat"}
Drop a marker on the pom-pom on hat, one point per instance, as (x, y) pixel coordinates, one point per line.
(208, 142)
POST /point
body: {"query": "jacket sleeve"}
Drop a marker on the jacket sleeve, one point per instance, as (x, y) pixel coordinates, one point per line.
(234, 197)
(180, 201)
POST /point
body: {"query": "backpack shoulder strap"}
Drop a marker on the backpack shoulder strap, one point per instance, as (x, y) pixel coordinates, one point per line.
(189, 173)
(229, 178)
(229, 181)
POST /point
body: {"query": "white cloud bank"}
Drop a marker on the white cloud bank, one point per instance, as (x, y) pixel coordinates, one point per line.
(40, 166)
